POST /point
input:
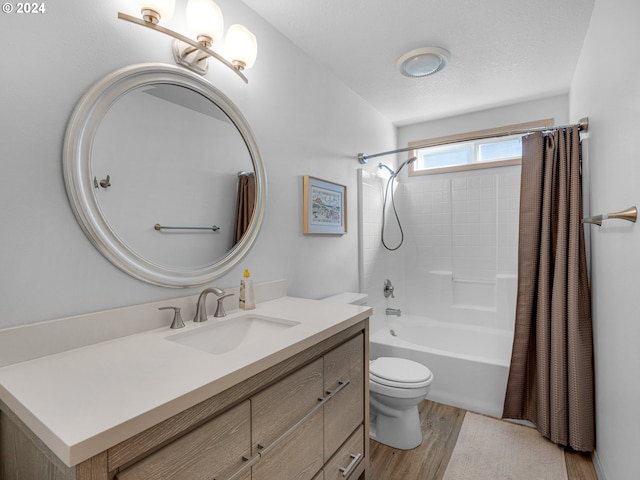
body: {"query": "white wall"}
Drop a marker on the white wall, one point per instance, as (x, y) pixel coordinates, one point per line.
(304, 120)
(606, 88)
(556, 107)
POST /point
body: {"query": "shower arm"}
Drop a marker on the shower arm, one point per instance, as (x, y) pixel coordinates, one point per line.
(402, 165)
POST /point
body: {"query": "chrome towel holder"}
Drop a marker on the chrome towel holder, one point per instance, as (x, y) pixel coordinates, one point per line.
(630, 215)
(159, 227)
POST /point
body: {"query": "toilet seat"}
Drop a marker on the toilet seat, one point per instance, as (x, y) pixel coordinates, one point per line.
(399, 373)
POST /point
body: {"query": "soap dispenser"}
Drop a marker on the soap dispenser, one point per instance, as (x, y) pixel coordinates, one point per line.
(246, 301)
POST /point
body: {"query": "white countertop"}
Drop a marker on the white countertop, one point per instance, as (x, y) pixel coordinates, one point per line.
(82, 401)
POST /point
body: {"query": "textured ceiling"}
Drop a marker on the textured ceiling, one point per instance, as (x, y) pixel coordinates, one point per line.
(503, 51)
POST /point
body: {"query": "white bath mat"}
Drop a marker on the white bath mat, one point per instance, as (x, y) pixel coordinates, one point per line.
(491, 449)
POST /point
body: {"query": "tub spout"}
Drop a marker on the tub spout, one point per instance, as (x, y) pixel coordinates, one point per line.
(393, 311)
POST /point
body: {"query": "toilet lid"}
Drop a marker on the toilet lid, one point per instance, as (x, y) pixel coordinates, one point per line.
(393, 371)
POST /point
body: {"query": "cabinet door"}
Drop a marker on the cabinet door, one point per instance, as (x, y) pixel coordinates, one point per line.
(211, 451)
(345, 412)
(289, 451)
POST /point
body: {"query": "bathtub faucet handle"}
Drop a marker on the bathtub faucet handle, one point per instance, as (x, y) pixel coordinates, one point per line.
(388, 289)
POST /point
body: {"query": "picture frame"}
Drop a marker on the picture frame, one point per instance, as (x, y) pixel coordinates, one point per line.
(325, 207)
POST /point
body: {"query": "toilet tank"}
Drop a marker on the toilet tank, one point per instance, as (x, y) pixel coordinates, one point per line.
(348, 298)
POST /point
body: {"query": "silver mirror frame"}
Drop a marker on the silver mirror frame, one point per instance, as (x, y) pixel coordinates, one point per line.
(76, 159)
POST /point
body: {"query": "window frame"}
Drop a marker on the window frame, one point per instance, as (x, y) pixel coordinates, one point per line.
(470, 137)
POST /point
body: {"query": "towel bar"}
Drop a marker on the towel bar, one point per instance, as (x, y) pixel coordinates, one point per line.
(159, 227)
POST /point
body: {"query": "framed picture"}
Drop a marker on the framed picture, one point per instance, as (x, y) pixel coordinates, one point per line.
(325, 207)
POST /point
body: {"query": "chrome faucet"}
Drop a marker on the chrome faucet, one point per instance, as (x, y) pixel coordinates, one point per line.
(201, 306)
(393, 311)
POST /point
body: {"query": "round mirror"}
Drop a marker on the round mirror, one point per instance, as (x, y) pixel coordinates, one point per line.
(164, 175)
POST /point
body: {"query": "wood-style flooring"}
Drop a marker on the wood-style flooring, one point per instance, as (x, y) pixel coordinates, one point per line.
(440, 426)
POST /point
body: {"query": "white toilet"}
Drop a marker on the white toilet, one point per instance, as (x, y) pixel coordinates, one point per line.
(396, 387)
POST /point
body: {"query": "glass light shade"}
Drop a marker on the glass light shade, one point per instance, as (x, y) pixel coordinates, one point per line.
(241, 46)
(422, 62)
(204, 19)
(164, 8)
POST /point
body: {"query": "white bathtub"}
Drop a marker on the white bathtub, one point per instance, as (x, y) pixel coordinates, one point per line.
(470, 364)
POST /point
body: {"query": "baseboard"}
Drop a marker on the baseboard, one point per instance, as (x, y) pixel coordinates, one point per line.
(598, 466)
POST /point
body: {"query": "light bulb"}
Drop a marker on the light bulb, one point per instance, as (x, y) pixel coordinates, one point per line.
(204, 21)
(241, 47)
(156, 11)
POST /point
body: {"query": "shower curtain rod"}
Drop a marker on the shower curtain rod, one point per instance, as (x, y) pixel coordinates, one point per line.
(583, 126)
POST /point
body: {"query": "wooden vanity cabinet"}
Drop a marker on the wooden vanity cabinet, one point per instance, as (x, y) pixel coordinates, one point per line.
(305, 418)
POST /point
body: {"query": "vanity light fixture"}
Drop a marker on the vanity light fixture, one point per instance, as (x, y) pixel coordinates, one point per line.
(204, 23)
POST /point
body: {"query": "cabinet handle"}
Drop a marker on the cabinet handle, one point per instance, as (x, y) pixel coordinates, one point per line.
(341, 385)
(263, 450)
(354, 461)
(249, 462)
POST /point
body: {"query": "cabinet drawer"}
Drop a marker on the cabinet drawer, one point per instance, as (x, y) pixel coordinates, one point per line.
(279, 407)
(348, 460)
(211, 451)
(297, 457)
(345, 411)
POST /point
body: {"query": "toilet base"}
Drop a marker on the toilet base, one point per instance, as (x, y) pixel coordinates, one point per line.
(400, 431)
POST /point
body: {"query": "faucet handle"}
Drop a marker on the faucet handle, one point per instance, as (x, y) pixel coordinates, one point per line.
(220, 308)
(388, 289)
(177, 318)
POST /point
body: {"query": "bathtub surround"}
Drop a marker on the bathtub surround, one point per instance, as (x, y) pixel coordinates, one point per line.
(551, 374)
(461, 234)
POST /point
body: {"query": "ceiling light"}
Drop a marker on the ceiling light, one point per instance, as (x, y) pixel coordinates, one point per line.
(422, 62)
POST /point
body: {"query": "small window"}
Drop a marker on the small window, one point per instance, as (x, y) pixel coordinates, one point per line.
(484, 149)
(470, 154)
(507, 148)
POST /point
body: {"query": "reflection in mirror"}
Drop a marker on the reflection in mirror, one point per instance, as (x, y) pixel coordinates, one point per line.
(175, 163)
(153, 147)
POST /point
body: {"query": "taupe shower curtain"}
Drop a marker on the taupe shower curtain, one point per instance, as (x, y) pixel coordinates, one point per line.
(551, 375)
(245, 203)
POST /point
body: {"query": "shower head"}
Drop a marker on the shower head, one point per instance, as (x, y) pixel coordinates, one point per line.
(403, 164)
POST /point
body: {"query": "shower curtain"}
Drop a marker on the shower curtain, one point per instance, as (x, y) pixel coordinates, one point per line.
(245, 203)
(551, 375)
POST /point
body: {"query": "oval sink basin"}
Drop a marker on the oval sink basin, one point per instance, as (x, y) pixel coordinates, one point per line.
(226, 335)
